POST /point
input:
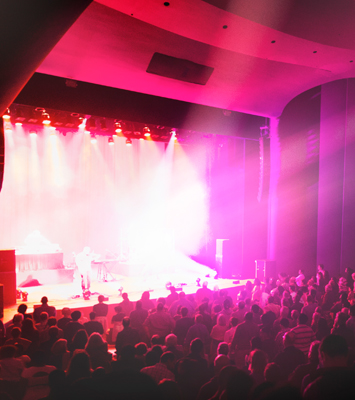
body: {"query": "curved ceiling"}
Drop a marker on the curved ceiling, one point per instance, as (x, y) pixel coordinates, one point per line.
(264, 53)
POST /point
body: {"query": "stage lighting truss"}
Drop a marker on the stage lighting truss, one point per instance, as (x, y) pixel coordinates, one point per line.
(74, 122)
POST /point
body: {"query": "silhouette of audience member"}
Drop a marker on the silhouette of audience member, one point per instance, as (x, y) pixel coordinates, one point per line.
(65, 318)
(141, 350)
(182, 325)
(305, 369)
(159, 323)
(37, 377)
(79, 366)
(60, 355)
(290, 357)
(57, 382)
(93, 325)
(42, 326)
(147, 304)
(21, 309)
(129, 385)
(197, 353)
(171, 345)
(309, 308)
(228, 336)
(240, 312)
(128, 360)
(244, 332)
(209, 389)
(198, 330)
(72, 326)
(15, 338)
(101, 310)
(173, 296)
(272, 306)
(128, 336)
(207, 319)
(183, 302)
(29, 331)
(238, 385)
(284, 327)
(335, 380)
(10, 367)
(52, 338)
(16, 323)
(50, 310)
(138, 316)
(116, 321)
(304, 334)
(126, 304)
(257, 362)
(257, 311)
(204, 292)
(163, 369)
(169, 390)
(340, 328)
(79, 341)
(97, 349)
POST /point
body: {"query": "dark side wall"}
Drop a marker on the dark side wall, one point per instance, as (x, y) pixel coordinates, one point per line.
(316, 188)
(297, 191)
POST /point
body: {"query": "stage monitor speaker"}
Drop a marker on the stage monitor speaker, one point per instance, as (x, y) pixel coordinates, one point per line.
(265, 269)
(7, 261)
(227, 258)
(8, 276)
(8, 279)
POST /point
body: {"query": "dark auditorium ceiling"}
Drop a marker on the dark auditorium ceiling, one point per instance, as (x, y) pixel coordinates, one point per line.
(263, 52)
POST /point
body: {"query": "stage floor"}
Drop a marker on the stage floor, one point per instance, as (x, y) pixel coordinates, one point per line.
(63, 295)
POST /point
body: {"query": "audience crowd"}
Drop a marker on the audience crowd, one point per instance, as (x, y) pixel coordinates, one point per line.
(285, 338)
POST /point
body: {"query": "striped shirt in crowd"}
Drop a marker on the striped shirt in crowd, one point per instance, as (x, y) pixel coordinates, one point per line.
(304, 336)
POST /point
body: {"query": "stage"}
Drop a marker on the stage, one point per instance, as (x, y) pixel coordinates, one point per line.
(69, 294)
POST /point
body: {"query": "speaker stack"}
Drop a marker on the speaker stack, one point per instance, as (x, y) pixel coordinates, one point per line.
(7, 278)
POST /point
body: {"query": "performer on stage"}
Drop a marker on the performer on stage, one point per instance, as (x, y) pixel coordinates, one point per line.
(83, 261)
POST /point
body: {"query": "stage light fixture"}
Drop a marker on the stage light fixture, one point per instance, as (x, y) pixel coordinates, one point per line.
(146, 131)
(110, 141)
(118, 127)
(91, 124)
(82, 124)
(8, 127)
(6, 114)
(128, 142)
(19, 116)
(46, 119)
(33, 133)
(103, 125)
(93, 138)
(70, 121)
(141, 139)
(34, 116)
